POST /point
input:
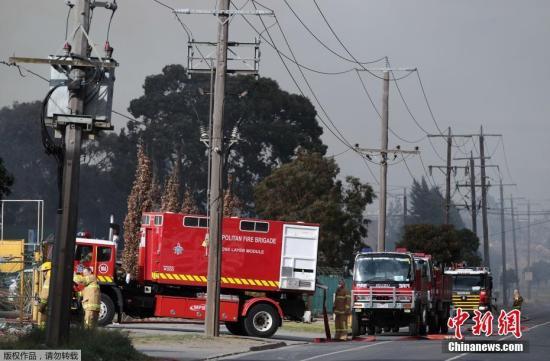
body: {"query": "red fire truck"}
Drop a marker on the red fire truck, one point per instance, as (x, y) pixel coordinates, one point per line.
(397, 289)
(267, 268)
(439, 293)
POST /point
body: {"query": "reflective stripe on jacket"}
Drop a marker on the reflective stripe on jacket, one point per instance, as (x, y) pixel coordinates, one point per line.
(91, 294)
(44, 292)
(342, 301)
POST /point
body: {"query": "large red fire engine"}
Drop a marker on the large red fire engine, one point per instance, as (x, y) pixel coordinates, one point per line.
(267, 267)
(397, 289)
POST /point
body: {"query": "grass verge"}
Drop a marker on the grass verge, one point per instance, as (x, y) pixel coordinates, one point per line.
(95, 345)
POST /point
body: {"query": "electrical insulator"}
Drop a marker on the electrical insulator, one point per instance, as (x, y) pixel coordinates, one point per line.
(108, 50)
(67, 48)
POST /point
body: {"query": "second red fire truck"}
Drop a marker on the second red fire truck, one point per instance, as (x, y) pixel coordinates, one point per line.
(398, 289)
(267, 268)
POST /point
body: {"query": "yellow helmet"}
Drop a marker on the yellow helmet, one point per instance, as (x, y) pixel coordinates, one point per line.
(46, 266)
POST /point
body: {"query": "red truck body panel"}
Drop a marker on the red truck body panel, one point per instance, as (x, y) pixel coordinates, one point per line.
(174, 251)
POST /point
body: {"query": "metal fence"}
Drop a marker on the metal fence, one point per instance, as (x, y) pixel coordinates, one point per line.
(331, 281)
(16, 280)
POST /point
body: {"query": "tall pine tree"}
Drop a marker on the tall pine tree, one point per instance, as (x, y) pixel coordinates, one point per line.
(232, 205)
(170, 198)
(139, 201)
(428, 206)
(189, 204)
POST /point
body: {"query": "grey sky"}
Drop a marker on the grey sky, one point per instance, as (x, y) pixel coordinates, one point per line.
(481, 62)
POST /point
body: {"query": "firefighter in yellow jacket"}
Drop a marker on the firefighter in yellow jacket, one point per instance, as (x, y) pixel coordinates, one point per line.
(342, 304)
(90, 297)
(45, 268)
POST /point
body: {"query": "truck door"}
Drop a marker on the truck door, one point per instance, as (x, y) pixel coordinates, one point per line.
(299, 257)
(104, 264)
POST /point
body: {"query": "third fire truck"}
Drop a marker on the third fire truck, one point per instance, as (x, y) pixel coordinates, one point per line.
(267, 268)
(472, 288)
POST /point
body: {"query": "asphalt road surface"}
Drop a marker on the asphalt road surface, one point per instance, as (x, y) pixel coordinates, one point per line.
(536, 331)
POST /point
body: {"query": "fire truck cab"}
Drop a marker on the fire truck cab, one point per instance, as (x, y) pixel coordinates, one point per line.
(100, 256)
(389, 291)
(472, 288)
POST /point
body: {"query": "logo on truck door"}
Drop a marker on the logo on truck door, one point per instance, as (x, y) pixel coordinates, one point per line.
(103, 268)
(178, 250)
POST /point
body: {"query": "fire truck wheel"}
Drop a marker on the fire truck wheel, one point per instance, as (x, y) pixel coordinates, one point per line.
(106, 310)
(433, 323)
(423, 320)
(236, 328)
(370, 329)
(262, 321)
(355, 325)
(413, 326)
(444, 317)
(395, 329)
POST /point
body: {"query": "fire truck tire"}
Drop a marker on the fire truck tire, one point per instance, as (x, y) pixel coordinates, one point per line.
(413, 326)
(236, 328)
(395, 329)
(261, 321)
(444, 317)
(106, 310)
(355, 325)
(387, 329)
(370, 329)
(433, 323)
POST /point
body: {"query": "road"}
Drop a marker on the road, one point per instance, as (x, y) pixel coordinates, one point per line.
(401, 347)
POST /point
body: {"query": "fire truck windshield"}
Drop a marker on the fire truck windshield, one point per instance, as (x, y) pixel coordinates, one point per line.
(383, 268)
(467, 282)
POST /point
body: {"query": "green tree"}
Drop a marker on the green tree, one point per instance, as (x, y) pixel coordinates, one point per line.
(469, 245)
(271, 122)
(440, 241)
(6, 180)
(428, 206)
(307, 189)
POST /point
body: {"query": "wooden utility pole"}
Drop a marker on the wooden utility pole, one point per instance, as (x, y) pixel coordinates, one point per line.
(448, 179)
(503, 243)
(486, 256)
(383, 165)
(529, 247)
(212, 325)
(405, 211)
(514, 240)
(60, 295)
(473, 193)
(503, 247)
(448, 169)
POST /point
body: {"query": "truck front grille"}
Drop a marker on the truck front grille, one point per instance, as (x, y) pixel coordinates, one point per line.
(466, 302)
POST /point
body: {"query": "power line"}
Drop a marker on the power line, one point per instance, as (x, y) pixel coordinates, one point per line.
(427, 102)
(506, 160)
(323, 43)
(342, 140)
(364, 86)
